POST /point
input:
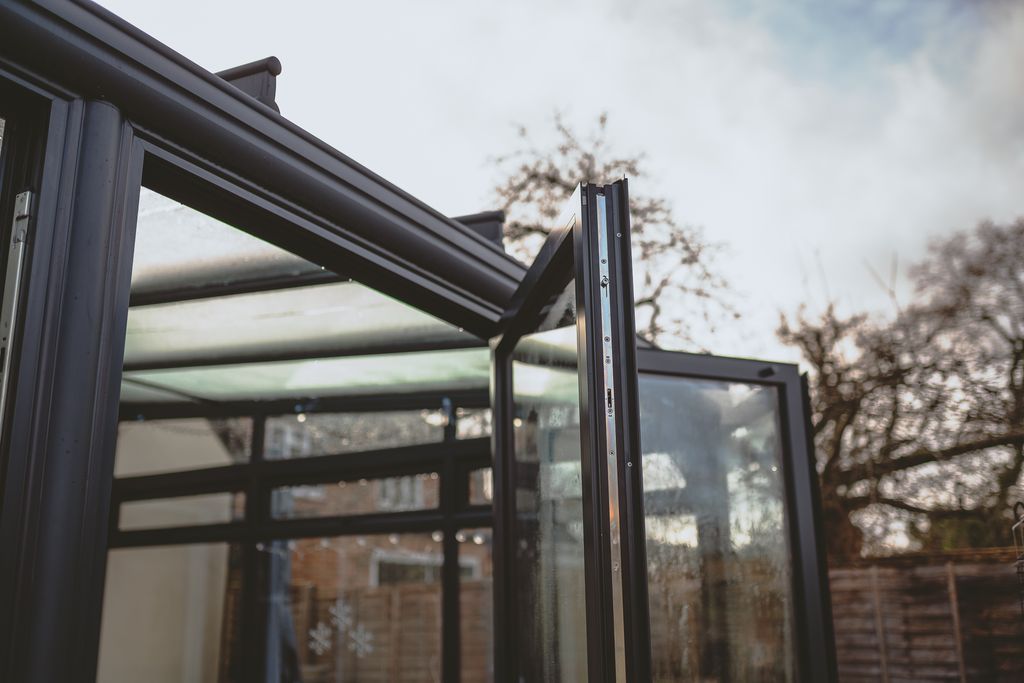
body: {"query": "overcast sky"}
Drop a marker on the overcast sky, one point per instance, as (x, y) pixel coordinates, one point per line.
(813, 139)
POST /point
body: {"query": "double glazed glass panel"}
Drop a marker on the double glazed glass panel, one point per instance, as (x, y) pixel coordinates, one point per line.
(718, 551)
(549, 555)
(240, 356)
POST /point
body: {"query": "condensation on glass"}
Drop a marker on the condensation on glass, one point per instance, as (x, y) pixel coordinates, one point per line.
(171, 614)
(207, 508)
(308, 434)
(476, 605)
(217, 313)
(549, 569)
(354, 608)
(358, 497)
(718, 553)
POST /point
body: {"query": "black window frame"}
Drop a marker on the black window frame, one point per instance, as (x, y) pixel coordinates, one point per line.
(572, 253)
(186, 178)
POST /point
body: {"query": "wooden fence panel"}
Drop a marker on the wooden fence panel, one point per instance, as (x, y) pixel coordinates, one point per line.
(928, 619)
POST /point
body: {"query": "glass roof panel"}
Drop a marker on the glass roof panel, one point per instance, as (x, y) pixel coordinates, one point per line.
(330, 319)
(177, 246)
(394, 373)
(133, 392)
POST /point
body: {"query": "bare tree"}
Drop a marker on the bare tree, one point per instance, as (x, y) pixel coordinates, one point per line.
(673, 264)
(919, 419)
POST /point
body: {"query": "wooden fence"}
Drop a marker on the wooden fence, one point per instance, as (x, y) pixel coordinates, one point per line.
(920, 618)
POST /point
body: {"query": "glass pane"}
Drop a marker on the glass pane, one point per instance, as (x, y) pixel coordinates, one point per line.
(209, 508)
(717, 536)
(171, 614)
(177, 247)
(221, 315)
(156, 446)
(393, 494)
(355, 608)
(329, 319)
(359, 375)
(549, 568)
(472, 423)
(476, 606)
(481, 486)
(305, 434)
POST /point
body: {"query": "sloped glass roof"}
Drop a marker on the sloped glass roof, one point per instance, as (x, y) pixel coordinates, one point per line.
(273, 339)
(357, 375)
(335, 318)
(178, 247)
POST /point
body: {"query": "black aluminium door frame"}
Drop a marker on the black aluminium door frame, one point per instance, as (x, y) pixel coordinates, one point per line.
(78, 288)
(812, 601)
(590, 245)
(70, 169)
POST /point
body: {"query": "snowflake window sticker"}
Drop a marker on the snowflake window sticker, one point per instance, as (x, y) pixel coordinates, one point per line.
(320, 638)
(341, 614)
(360, 639)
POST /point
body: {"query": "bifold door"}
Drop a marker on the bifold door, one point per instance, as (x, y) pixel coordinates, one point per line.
(570, 601)
(708, 566)
(738, 589)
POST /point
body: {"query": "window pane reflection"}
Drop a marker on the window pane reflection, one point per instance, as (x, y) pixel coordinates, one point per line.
(549, 500)
(717, 536)
(481, 486)
(364, 496)
(353, 609)
(473, 423)
(305, 434)
(476, 606)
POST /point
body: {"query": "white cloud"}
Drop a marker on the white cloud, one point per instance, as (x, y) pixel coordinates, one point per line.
(806, 150)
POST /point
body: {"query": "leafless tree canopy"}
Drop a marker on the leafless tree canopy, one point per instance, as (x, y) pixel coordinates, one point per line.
(919, 418)
(673, 264)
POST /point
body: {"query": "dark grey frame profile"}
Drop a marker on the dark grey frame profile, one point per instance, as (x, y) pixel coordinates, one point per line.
(571, 252)
(119, 106)
(812, 600)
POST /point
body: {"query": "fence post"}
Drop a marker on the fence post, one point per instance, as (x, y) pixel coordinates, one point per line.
(954, 608)
(883, 650)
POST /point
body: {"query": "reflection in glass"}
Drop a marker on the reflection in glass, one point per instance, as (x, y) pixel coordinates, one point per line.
(325, 319)
(305, 434)
(717, 536)
(155, 446)
(393, 494)
(171, 615)
(476, 606)
(208, 508)
(395, 373)
(472, 423)
(481, 486)
(218, 314)
(549, 570)
(354, 609)
(178, 247)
